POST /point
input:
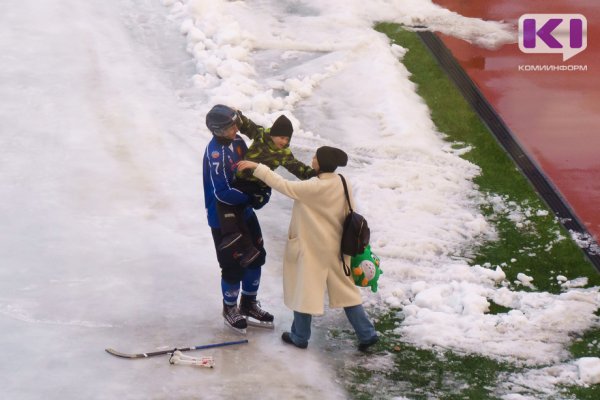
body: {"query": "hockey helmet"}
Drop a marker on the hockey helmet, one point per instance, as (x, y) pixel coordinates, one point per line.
(220, 118)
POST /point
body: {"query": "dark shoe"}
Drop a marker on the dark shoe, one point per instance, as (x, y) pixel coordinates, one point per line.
(288, 339)
(229, 240)
(365, 345)
(251, 308)
(248, 256)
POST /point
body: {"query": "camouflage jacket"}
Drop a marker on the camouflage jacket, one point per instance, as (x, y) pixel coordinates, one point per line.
(263, 150)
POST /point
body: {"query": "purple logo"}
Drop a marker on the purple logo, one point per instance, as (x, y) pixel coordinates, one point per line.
(553, 33)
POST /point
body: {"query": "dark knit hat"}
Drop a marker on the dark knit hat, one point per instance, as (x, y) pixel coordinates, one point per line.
(282, 127)
(329, 158)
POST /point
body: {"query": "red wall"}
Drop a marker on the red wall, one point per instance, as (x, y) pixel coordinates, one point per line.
(554, 115)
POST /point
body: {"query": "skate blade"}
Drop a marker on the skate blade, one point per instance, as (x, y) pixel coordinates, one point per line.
(259, 324)
(238, 330)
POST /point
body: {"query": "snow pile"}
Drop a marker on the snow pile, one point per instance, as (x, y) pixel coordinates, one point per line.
(589, 370)
(454, 315)
(546, 382)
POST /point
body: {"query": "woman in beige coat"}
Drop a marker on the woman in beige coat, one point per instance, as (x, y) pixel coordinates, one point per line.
(312, 261)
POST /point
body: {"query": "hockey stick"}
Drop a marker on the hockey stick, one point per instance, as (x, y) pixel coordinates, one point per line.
(162, 352)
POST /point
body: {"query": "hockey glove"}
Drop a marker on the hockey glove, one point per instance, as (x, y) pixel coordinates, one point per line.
(258, 200)
(240, 119)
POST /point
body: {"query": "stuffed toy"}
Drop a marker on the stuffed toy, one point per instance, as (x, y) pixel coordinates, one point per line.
(365, 269)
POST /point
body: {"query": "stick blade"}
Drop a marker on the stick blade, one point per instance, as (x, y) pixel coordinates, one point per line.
(123, 355)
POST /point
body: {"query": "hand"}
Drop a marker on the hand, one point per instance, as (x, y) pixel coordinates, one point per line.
(245, 164)
(240, 120)
(258, 200)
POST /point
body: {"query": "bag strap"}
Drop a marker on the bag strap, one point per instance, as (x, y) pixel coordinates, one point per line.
(346, 192)
(346, 267)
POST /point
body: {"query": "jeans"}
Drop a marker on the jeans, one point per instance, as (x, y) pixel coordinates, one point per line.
(300, 333)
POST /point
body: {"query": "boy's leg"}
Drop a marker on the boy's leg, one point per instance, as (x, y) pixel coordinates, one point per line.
(229, 217)
(249, 306)
(231, 312)
(250, 246)
(251, 278)
(252, 232)
(231, 277)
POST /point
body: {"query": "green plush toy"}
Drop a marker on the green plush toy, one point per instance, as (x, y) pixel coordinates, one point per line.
(365, 269)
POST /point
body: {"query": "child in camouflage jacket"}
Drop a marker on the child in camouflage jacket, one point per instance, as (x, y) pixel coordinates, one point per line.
(270, 147)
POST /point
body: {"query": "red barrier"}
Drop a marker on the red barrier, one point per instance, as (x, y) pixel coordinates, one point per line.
(554, 114)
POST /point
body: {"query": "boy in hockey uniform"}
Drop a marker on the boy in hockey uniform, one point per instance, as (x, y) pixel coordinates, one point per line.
(270, 147)
(223, 152)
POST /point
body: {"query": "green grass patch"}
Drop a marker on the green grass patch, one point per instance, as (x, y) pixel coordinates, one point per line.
(531, 241)
(588, 345)
(497, 308)
(420, 373)
(538, 245)
(423, 374)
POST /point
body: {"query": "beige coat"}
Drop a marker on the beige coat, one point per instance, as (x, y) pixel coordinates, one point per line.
(312, 261)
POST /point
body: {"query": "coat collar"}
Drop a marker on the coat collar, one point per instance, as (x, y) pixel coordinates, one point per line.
(327, 175)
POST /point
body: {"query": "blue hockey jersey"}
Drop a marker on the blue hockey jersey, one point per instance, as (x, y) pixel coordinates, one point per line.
(218, 173)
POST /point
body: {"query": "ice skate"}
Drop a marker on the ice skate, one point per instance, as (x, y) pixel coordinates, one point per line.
(256, 316)
(233, 319)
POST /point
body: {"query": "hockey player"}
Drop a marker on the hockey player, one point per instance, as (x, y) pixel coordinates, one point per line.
(222, 153)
